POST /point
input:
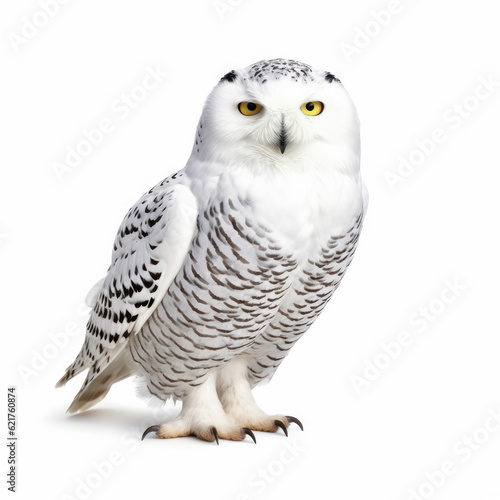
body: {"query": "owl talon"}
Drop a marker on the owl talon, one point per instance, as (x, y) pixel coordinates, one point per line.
(281, 425)
(215, 434)
(250, 433)
(294, 420)
(153, 428)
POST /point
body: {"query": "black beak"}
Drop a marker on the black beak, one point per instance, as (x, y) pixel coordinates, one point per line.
(282, 143)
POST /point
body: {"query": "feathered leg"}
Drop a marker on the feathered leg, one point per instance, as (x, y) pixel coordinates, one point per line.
(203, 416)
(235, 394)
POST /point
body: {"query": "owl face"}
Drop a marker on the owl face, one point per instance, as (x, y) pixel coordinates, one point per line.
(277, 112)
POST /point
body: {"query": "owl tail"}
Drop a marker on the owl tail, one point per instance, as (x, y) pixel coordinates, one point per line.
(95, 388)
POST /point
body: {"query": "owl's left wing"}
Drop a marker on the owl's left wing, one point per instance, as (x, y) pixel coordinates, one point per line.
(149, 250)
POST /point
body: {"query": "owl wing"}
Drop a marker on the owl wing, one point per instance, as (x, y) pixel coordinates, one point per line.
(149, 250)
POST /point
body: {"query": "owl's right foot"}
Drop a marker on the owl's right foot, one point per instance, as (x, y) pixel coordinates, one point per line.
(180, 428)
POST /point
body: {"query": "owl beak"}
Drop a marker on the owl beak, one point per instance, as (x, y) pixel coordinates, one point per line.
(282, 141)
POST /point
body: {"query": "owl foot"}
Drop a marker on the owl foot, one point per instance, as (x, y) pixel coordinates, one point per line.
(239, 404)
(179, 428)
(202, 416)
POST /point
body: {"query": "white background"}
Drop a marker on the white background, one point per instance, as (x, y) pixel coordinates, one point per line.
(439, 223)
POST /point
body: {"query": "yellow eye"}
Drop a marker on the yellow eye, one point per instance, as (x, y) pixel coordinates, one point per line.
(312, 108)
(249, 108)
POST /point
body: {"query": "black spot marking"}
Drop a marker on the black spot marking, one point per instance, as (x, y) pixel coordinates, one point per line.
(277, 68)
(331, 78)
(229, 77)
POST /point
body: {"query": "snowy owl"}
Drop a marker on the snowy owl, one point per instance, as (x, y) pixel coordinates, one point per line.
(220, 268)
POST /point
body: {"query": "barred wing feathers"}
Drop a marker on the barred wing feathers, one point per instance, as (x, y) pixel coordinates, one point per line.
(149, 250)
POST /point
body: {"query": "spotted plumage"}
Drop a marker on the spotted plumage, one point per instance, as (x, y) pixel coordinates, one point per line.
(219, 269)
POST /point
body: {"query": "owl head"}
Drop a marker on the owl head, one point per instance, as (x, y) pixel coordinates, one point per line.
(277, 114)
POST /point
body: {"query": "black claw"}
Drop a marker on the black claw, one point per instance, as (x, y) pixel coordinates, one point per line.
(216, 434)
(281, 425)
(153, 428)
(250, 433)
(294, 420)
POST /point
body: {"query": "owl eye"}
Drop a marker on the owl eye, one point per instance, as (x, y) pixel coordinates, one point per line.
(312, 108)
(249, 108)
